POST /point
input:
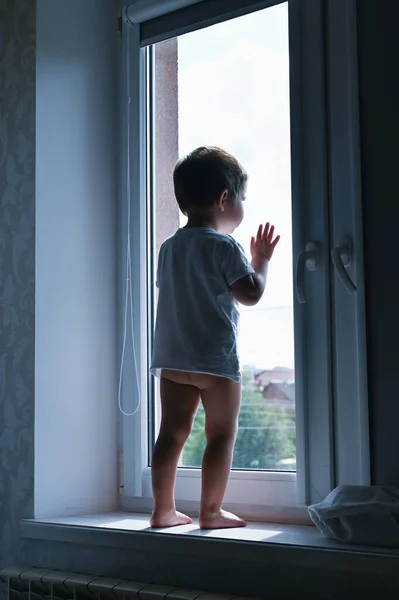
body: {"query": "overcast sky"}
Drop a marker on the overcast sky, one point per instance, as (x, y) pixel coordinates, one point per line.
(234, 93)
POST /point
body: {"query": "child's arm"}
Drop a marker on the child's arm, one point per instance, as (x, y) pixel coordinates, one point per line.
(249, 289)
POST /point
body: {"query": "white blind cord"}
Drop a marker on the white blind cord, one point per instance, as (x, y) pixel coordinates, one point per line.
(129, 287)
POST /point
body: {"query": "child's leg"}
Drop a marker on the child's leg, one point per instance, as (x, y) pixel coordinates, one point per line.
(179, 404)
(222, 404)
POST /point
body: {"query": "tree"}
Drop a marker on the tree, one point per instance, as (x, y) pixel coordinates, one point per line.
(266, 434)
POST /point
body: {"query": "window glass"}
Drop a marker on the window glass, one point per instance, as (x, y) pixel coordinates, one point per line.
(228, 85)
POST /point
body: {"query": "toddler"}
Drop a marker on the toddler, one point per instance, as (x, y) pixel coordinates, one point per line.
(202, 273)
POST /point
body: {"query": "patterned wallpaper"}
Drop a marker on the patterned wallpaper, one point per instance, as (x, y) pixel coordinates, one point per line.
(17, 268)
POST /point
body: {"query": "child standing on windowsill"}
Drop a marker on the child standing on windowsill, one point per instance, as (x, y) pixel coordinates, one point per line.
(202, 274)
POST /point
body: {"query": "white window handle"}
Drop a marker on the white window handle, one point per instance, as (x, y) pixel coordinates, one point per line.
(342, 258)
(307, 259)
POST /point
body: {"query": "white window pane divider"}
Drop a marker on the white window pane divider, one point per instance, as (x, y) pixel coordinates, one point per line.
(351, 425)
(315, 459)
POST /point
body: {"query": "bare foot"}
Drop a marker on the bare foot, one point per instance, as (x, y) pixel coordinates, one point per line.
(221, 520)
(169, 519)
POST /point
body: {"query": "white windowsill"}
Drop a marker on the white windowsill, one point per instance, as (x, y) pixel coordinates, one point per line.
(295, 544)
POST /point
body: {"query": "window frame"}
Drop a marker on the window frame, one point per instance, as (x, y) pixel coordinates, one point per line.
(351, 410)
(322, 429)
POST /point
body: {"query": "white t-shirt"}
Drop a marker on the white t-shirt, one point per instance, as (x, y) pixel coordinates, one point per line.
(197, 315)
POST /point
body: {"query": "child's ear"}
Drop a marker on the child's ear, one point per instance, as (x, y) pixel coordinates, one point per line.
(224, 196)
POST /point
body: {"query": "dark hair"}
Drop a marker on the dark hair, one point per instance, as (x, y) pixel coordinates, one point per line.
(202, 176)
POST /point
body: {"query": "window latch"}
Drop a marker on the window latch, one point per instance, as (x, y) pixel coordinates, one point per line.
(342, 258)
(307, 259)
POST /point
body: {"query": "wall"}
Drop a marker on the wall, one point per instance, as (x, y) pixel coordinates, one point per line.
(75, 386)
(73, 270)
(167, 214)
(379, 96)
(17, 268)
(166, 139)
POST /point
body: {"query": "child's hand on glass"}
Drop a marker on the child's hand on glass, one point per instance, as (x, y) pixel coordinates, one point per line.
(263, 245)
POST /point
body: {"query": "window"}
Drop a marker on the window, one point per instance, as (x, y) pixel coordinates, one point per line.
(253, 80)
(216, 98)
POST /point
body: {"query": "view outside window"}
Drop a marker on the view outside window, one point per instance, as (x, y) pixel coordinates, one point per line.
(228, 86)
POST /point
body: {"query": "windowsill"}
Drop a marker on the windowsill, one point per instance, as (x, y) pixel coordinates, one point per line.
(258, 542)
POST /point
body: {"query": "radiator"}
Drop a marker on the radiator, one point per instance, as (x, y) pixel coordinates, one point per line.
(28, 583)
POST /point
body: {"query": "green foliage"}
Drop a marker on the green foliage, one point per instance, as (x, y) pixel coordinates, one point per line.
(266, 434)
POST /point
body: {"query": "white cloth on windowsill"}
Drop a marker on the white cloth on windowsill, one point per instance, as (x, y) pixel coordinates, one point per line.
(355, 514)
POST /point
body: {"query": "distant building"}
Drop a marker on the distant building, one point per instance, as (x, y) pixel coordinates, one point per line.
(277, 387)
(280, 394)
(278, 374)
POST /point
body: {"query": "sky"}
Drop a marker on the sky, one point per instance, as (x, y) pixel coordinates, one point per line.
(234, 93)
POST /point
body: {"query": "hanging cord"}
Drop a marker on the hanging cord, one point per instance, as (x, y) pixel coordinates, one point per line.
(129, 287)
